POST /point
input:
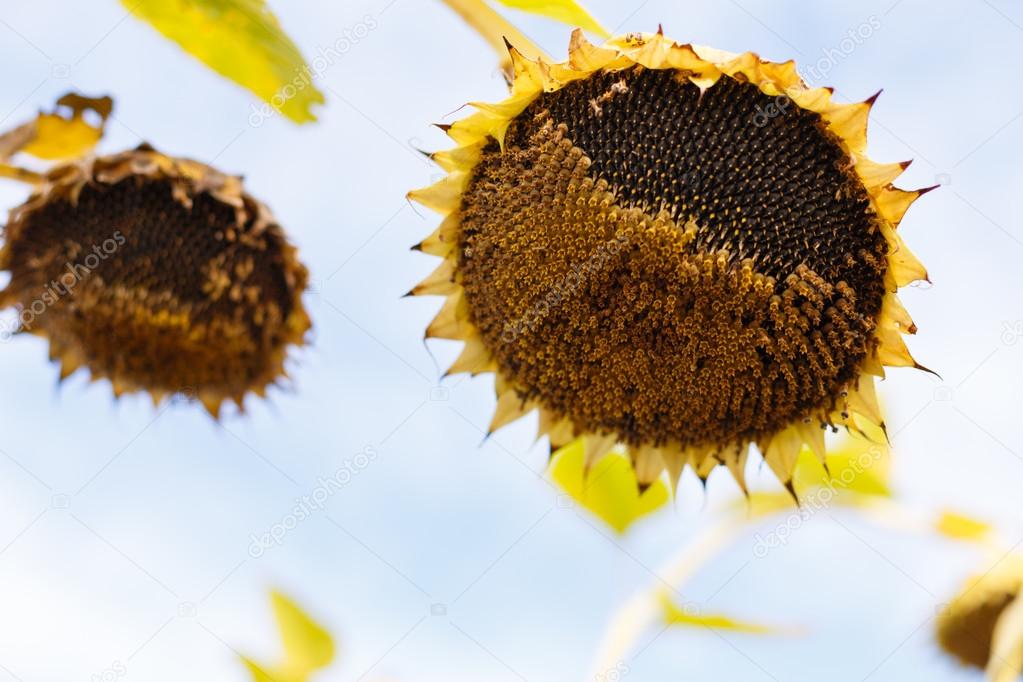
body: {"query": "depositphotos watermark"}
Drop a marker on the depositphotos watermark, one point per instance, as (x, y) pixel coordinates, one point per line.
(309, 504)
(324, 59)
(74, 274)
(819, 500)
(114, 672)
(615, 674)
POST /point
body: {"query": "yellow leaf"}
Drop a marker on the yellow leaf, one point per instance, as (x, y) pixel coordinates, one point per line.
(243, 41)
(859, 466)
(307, 645)
(959, 527)
(566, 11)
(857, 471)
(260, 675)
(59, 138)
(62, 134)
(675, 616)
(609, 490)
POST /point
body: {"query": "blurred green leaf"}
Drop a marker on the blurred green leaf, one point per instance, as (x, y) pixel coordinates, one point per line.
(243, 41)
(566, 11)
(609, 490)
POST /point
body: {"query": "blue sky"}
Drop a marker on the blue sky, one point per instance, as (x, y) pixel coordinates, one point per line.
(126, 533)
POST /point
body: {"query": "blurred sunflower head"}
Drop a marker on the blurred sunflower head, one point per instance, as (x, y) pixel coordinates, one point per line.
(675, 249)
(966, 627)
(157, 273)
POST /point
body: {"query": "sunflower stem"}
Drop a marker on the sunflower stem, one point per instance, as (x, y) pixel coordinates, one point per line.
(646, 608)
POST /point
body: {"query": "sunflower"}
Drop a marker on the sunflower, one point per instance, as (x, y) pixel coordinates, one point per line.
(674, 249)
(966, 628)
(158, 273)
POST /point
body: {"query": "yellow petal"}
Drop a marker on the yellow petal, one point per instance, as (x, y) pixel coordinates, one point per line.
(559, 430)
(892, 350)
(441, 281)
(475, 358)
(452, 322)
(510, 407)
(849, 121)
(781, 453)
(813, 436)
(596, 447)
(894, 313)
(893, 203)
(444, 196)
(444, 239)
(735, 459)
(585, 56)
(649, 465)
(459, 158)
(875, 174)
(243, 41)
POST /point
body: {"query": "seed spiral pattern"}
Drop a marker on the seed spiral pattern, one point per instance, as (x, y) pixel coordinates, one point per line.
(658, 263)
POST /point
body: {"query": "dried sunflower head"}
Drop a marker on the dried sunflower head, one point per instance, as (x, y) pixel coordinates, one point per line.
(966, 627)
(675, 249)
(160, 274)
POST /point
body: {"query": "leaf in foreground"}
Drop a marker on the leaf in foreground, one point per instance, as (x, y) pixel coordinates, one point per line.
(308, 647)
(566, 11)
(609, 488)
(243, 41)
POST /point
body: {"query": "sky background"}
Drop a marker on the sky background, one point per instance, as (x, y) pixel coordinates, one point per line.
(126, 532)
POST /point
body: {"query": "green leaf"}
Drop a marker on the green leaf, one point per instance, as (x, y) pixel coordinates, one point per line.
(243, 41)
(609, 490)
(566, 11)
